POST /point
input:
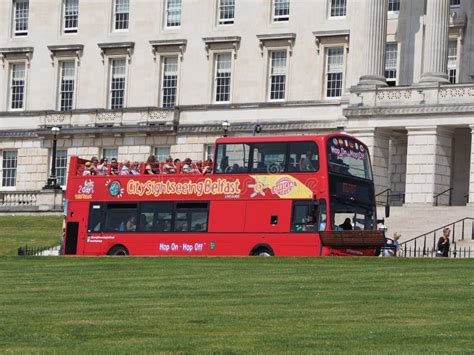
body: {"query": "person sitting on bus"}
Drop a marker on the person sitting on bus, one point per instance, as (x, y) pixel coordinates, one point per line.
(347, 225)
(150, 167)
(207, 166)
(114, 166)
(224, 164)
(126, 167)
(182, 226)
(130, 225)
(87, 168)
(169, 167)
(188, 167)
(101, 168)
(306, 163)
(135, 168)
(94, 166)
(144, 225)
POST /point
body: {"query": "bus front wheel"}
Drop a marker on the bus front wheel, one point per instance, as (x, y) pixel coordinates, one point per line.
(118, 250)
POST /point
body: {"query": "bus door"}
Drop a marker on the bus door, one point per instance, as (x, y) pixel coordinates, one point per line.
(308, 218)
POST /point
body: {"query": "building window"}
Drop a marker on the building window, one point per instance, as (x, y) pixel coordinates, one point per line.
(281, 10)
(338, 8)
(161, 153)
(173, 13)
(17, 86)
(277, 82)
(121, 15)
(71, 15)
(334, 70)
(9, 163)
(226, 12)
(391, 50)
(222, 76)
(66, 85)
(452, 61)
(169, 82)
(117, 83)
(209, 151)
(455, 3)
(20, 17)
(61, 166)
(393, 5)
(110, 153)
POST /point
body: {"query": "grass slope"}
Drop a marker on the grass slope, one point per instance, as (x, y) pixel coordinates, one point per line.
(297, 305)
(40, 231)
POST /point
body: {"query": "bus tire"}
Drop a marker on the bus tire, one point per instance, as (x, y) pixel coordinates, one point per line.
(118, 250)
(262, 250)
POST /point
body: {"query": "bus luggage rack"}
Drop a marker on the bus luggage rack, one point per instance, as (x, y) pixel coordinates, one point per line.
(37, 251)
(352, 239)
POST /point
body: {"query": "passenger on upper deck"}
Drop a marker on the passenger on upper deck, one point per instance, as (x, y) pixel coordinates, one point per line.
(188, 167)
(114, 166)
(150, 167)
(126, 167)
(169, 167)
(101, 168)
(306, 163)
(135, 170)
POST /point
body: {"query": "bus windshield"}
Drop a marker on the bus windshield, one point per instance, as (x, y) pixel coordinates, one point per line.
(351, 215)
(348, 157)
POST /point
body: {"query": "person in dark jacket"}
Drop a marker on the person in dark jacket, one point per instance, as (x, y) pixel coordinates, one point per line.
(443, 244)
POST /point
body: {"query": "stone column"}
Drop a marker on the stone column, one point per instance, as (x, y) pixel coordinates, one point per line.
(471, 175)
(435, 58)
(375, 37)
(428, 170)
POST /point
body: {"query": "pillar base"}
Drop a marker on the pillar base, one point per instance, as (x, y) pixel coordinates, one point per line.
(434, 78)
(371, 81)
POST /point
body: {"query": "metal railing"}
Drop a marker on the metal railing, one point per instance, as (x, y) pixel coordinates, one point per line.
(426, 243)
(36, 251)
(435, 197)
(455, 252)
(395, 199)
(387, 199)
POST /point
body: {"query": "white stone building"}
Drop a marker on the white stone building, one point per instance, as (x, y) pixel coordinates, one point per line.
(130, 78)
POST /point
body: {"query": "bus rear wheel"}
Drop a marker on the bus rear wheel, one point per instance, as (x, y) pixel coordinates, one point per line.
(262, 252)
(118, 250)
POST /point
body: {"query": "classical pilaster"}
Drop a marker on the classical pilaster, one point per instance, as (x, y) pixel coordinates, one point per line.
(428, 170)
(435, 58)
(375, 37)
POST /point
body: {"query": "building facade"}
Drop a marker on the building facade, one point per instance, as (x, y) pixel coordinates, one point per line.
(130, 78)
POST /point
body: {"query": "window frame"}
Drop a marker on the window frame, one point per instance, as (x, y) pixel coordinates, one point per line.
(456, 67)
(11, 65)
(115, 14)
(155, 152)
(162, 59)
(2, 170)
(61, 168)
(280, 18)
(20, 33)
(219, 20)
(111, 60)
(394, 80)
(215, 56)
(60, 62)
(316, 214)
(330, 8)
(393, 13)
(166, 13)
(327, 48)
(69, 30)
(106, 155)
(270, 75)
(251, 160)
(456, 5)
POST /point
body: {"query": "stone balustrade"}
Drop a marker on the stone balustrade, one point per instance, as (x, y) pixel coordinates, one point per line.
(18, 198)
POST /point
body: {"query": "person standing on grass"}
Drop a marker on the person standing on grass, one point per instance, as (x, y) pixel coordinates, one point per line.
(443, 244)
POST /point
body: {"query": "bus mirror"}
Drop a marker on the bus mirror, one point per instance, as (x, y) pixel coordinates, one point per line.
(387, 211)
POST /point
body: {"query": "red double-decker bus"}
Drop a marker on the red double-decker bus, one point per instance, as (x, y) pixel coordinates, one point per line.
(283, 196)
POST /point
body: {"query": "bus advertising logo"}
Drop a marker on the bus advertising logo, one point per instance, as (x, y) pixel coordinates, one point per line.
(212, 245)
(283, 186)
(85, 191)
(115, 189)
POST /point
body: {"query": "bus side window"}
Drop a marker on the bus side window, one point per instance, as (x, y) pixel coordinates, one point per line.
(304, 156)
(322, 215)
(303, 217)
(95, 217)
(121, 217)
(155, 217)
(191, 217)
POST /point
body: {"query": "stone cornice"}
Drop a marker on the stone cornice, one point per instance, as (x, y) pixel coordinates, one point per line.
(354, 112)
(266, 126)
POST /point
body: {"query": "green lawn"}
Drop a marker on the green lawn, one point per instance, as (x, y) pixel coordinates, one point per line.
(236, 305)
(39, 231)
